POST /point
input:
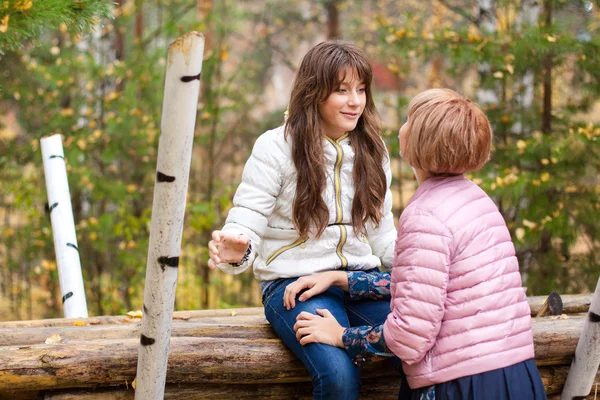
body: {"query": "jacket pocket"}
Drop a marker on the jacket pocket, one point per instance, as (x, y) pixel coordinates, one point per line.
(301, 240)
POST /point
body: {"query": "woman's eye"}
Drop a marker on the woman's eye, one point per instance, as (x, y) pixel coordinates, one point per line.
(340, 90)
(361, 90)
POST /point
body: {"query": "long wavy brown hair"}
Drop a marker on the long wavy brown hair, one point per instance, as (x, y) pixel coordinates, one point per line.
(321, 72)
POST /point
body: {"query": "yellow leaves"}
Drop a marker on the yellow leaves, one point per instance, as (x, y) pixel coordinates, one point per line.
(55, 50)
(521, 145)
(545, 161)
(509, 68)
(529, 224)
(133, 384)
(63, 27)
(48, 265)
(505, 119)
(23, 5)
(393, 68)
(552, 39)
(135, 112)
(79, 323)
(520, 234)
(135, 314)
(111, 96)
(401, 33)
(93, 236)
(545, 177)
(571, 189)
(205, 115)
(66, 112)
(81, 144)
(131, 188)
(8, 232)
(498, 75)
(53, 339)
(4, 24)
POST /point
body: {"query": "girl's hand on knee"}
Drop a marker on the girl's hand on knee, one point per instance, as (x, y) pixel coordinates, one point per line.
(226, 247)
(322, 328)
(316, 284)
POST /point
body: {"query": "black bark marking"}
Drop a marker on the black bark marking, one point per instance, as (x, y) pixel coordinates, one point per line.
(168, 261)
(190, 78)
(146, 341)
(56, 156)
(52, 207)
(67, 296)
(160, 177)
(579, 397)
(555, 303)
(145, 309)
(594, 317)
(73, 246)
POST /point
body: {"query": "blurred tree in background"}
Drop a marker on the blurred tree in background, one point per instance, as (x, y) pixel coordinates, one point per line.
(534, 68)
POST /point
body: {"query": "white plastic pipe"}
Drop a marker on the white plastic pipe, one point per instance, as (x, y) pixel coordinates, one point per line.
(182, 86)
(586, 361)
(63, 228)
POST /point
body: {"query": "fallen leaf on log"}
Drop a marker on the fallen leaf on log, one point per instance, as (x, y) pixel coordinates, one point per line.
(184, 317)
(53, 339)
(135, 314)
(79, 323)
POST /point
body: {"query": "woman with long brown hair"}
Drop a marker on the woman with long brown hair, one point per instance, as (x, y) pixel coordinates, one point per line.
(315, 197)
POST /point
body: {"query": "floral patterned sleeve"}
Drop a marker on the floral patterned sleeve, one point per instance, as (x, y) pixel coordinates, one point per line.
(366, 343)
(369, 285)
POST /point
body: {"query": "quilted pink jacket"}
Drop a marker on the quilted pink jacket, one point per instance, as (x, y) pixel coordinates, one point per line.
(458, 307)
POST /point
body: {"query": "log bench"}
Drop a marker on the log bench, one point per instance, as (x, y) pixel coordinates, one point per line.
(215, 354)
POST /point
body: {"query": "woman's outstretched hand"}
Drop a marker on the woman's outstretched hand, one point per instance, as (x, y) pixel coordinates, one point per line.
(226, 247)
(322, 328)
(316, 284)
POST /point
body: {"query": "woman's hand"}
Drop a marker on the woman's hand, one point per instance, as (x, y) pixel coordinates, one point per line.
(322, 328)
(226, 247)
(316, 284)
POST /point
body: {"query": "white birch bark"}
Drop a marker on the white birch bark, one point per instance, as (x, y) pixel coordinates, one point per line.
(63, 228)
(587, 355)
(182, 86)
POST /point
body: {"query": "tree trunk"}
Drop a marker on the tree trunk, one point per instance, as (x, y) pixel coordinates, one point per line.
(333, 19)
(380, 388)
(256, 358)
(572, 304)
(547, 114)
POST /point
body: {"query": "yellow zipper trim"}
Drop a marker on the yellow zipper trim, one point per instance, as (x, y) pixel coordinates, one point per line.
(336, 175)
(340, 245)
(297, 243)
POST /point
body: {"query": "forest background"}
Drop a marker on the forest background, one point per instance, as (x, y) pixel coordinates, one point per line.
(93, 72)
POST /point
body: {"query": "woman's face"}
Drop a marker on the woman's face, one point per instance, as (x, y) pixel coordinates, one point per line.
(344, 106)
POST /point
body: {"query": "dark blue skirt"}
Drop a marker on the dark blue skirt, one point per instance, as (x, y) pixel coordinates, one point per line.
(517, 382)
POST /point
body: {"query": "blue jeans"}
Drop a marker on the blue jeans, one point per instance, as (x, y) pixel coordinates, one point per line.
(333, 373)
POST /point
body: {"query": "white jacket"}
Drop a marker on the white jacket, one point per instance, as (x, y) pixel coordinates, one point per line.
(263, 205)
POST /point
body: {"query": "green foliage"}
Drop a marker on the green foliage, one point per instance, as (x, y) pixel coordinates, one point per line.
(22, 20)
(545, 184)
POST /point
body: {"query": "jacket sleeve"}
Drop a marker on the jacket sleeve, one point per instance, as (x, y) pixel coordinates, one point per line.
(382, 237)
(418, 288)
(255, 198)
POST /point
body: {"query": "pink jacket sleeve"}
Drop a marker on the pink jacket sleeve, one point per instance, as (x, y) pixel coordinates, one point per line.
(418, 288)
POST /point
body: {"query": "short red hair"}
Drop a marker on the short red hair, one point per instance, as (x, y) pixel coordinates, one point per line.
(448, 134)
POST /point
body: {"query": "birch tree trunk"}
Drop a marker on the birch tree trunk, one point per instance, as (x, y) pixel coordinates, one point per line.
(182, 85)
(587, 354)
(63, 228)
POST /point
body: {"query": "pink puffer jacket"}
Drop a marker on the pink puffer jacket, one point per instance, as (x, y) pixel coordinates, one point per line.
(458, 307)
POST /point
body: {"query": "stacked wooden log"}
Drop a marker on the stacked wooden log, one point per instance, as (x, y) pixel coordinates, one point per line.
(215, 354)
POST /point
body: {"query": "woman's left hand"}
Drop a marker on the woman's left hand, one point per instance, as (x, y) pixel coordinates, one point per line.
(322, 328)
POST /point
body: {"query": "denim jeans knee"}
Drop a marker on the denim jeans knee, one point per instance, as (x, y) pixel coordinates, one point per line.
(333, 373)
